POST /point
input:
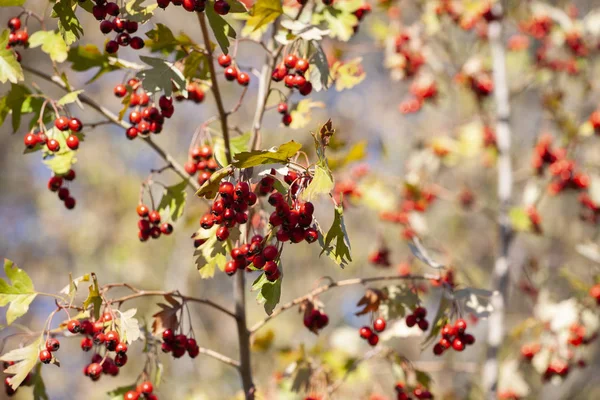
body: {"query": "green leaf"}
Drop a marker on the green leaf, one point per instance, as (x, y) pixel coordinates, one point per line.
(210, 188)
(357, 152)
(137, 12)
(94, 298)
(20, 293)
(269, 293)
(68, 25)
(264, 12)
(319, 72)
(173, 200)
(86, 57)
(25, 359)
(119, 393)
(397, 301)
(10, 68)
(52, 44)
(14, 102)
(341, 24)
(212, 253)
(192, 63)
(12, 3)
(438, 321)
(281, 154)
(39, 389)
(519, 219)
(322, 183)
(162, 39)
(236, 6)
(129, 327)
(337, 235)
(62, 161)
(69, 98)
(237, 145)
(220, 28)
(161, 77)
(423, 378)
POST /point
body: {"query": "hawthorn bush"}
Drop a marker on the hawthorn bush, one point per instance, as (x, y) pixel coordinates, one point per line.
(473, 269)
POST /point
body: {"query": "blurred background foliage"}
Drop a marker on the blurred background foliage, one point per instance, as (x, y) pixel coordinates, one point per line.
(100, 235)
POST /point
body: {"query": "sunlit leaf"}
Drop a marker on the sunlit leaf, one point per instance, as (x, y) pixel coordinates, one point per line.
(347, 75)
(221, 29)
(39, 389)
(18, 294)
(336, 243)
(237, 145)
(321, 184)
(210, 188)
(93, 298)
(69, 98)
(161, 76)
(129, 327)
(319, 72)
(276, 155)
(68, 25)
(263, 12)
(52, 44)
(25, 359)
(341, 24)
(269, 293)
(212, 254)
(10, 68)
(135, 11)
(173, 200)
(302, 113)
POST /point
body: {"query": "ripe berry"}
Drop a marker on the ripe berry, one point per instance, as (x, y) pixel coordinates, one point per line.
(226, 189)
(53, 145)
(94, 371)
(131, 395)
(86, 344)
(270, 253)
(112, 9)
(423, 325)
(74, 326)
(460, 325)
(299, 81)
(145, 388)
(30, 140)
(243, 79)
(106, 26)
(230, 72)
(222, 7)
(365, 332)
(458, 344)
(131, 26)
(75, 125)
(379, 325)
(52, 345)
(282, 108)
(287, 119)
(305, 89)
(14, 24)
(222, 233)
(302, 65)
(45, 356)
(111, 47)
(73, 142)
(142, 210)
(61, 123)
(154, 217)
(166, 228)
(99, 12)
(224, 60)
(290, 61)
(168, 335)
(123, 39)
(438, 349)
(311, 235)
(131, 133)
(373, 339)
(120, 359)
(136, 43)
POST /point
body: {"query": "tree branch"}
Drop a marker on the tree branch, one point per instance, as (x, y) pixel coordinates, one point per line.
(500, 278)
(114, 119)
(137, 293)
(220, 357)
(347, 282)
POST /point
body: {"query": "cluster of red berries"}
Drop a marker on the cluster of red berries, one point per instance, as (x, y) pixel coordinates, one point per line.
(291, 71)
(149, 224)
(454, 336)
(292, 178)
(231, 72)
(415, 199)
(147, 119)
(123, 28)
(97, 334)
(418, 317)
(178, 345)
(221, 7)
(410, 50)
(195, 93)
(294, 222)
(424, 89)
(52, 345)
(260, 256)
(282, 108)
(229, 208)
(55, 184)
(17, 37)
(380, 257)
(63, 124)
(369, 334)
(563, 170)
(143, 391)
(403, 393)
(538, 26)
(315, 320)
(201, 161)
(8, 380)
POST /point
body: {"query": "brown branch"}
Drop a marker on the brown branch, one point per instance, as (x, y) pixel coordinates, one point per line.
(347, 282)
(137, 293)
(114, 119)
(215, 86)
(220, 357)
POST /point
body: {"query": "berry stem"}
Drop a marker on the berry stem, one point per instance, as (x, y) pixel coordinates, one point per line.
(347, 282)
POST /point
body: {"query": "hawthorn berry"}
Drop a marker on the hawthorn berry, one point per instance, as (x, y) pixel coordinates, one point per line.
(45, 356)
(373, 339)
(74, 326)
(302, 65)
(287, 119)
(222, 233)
(52, 345)
(111, 47)
(61, 123)
(31, 140)
(243, 79)
(86, 344)
(73, 142)
(290, 61)
(132, 395)
(14, 24)
(145, 388)
(282, 108)
(106, 26)
(222, 7)
(379, 325)
(154, 217)
(231, 73)
(53, 145)
(224, 60)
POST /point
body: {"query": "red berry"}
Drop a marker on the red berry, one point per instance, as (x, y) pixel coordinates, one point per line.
(243, 79)
(111, 47)
(131, 133)
(52, 345)
(99, 12)
(121, 348)
(282, 108)
(460, 325)
(112, 9)
(120, 359)
(299, 81)
(373, 339)
(75, 125)
(166, 228)
(136, 43)
(142, 210)
(154, 217)
(106, 26)
(168, 335)
(379, 325)
(423, 325)
(226, 189)
(73, 142)
(458, 344)
(123, 39)
(365, 332)
(131, 395)
(224, 60)
(222, 233)
(287, 119)
(53, 145)
(45, 356)
(411, 320)
(61, 123)
(438, 349)
(30, 140)
(231, 73)
(14, 24)
(131, 26)
(86, 344)
(302, 65)
(305, 88)
(74, 326)
(311, 235)
(222, 7)
(290, 61)
(270, 253)
(145, 388)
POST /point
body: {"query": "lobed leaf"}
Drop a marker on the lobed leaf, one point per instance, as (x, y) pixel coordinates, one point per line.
(25, 359)
(269, 293)
(10, 68)
(221, 29)
(18, 294)
(336, 243)
(281, 154)
(173, 200)
(322, 183)
(68, 25)
(264, 12)
(129, 327)
(52, 44)
(161, 76)
(210, 188)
